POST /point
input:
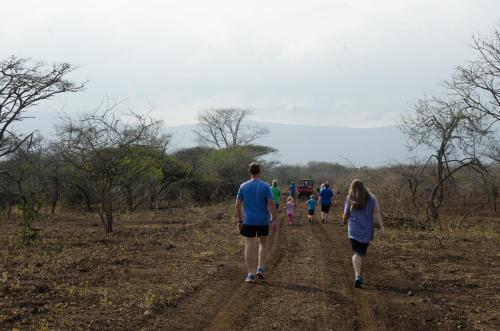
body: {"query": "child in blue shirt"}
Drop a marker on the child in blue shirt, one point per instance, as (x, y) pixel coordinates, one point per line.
(311, 205)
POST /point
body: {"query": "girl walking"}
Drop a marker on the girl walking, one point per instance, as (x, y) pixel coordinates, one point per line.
(361, 214)
(290, 209)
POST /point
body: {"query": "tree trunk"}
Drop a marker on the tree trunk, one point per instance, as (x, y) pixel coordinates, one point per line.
(157, 204)
(55, 198)
(106, 210)
(129, 198)
(108, 227)
(495, 196)
(88, 203)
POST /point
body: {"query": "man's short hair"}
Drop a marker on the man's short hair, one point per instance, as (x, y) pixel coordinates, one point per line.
(254, 168)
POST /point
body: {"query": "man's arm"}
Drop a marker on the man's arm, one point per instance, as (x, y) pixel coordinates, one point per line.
(239, 213)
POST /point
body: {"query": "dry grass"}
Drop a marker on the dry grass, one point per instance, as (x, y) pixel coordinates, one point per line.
(76, 277)
(464, 274)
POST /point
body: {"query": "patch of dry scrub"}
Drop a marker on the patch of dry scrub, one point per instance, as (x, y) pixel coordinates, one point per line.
(78, 277)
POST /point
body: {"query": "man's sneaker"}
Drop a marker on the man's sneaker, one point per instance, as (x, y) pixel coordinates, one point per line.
(358, 282)
(250, 278)
(260, 273)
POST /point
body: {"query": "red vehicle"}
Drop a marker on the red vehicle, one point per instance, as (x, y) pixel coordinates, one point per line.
(306, 188)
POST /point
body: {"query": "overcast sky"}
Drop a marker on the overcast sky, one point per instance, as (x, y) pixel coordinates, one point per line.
(356, 63)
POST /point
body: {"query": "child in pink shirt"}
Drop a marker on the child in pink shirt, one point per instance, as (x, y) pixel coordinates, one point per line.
(290, 209)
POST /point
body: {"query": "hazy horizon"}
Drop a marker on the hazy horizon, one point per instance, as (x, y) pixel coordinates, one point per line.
(296, 143)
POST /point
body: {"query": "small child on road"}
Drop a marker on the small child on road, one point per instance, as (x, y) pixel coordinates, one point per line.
(311, 205)
(290, 209)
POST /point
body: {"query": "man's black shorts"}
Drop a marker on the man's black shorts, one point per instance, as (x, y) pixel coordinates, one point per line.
(254, 230)
(311, 212)
(358, 247)
(325, 208)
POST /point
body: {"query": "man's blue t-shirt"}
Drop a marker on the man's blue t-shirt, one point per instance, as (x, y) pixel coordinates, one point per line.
(360, 223)
(291, 188)
(255, 194)
(311, 204)
(326, 196)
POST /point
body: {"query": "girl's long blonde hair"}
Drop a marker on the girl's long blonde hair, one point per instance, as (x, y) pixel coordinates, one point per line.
(359, 195)
(275, 183)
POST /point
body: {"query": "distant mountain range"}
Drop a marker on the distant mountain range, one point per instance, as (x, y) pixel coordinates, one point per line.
(299, 144)
(296, 144)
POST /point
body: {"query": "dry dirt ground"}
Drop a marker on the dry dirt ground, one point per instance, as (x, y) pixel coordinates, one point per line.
(184, 270)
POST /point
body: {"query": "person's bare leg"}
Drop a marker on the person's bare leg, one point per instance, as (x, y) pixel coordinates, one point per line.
(250, 250)
(357, 263)
(362, 269)
(262, 251)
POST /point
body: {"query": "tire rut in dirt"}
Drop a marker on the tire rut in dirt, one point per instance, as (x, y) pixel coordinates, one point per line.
(300, 296)
(363, 302)
(210, 303)
(247, 295)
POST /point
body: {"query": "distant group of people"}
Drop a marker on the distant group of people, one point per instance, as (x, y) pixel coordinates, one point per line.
(326, 200)
(258, 204)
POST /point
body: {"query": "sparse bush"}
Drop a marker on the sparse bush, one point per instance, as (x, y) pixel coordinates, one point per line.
(26, 232)
(155, 302)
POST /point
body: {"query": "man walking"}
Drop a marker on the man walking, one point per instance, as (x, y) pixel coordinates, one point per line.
(325, 201)
(256, 198)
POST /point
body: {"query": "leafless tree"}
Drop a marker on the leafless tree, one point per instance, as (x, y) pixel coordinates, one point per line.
(22, 86)
(452, 133)
(478, 81)
(225, 127)
(101, 144)
(412, 174)
(477, 84)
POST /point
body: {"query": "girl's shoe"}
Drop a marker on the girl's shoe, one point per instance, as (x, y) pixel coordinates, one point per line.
(260, 273)
(250, 278)
(358, 282)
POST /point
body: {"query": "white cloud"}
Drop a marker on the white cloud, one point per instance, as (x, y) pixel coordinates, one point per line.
(355, 63)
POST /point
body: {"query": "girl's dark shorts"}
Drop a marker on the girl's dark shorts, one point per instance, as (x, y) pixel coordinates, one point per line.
(311, 212)
(325, 208)
(254, 230)
(359, 248)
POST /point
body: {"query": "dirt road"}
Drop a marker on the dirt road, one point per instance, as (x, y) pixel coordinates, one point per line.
(185, 270)
(309, 287)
